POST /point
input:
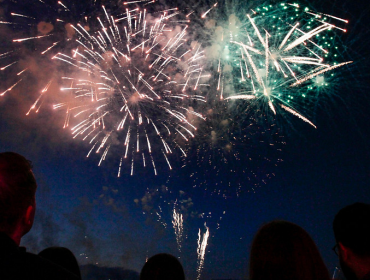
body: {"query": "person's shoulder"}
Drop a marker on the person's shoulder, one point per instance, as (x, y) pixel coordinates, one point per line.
(24, 265)
(47, 270)
(366, 277)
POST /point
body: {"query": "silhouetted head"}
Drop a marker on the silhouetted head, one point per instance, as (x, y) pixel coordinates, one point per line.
(162, 267)
(283, 250)
(62, 257)
(352, 230)
(17, 194)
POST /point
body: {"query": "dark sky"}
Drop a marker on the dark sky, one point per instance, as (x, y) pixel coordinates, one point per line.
(88, 209)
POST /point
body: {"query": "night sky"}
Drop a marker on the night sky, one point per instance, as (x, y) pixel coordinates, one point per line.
(112, 222)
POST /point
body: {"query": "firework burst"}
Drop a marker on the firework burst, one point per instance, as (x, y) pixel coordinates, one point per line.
(142, 76)
(274, 56)
(129, 83)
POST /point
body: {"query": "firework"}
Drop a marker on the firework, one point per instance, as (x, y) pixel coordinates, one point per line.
(274, 56)
(131, 80)
(166, 206)
(201, 250)
(129, 83)
(139, 83)
(177, 223)
(35, 31)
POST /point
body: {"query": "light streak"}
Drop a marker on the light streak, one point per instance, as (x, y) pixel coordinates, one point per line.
(201, 250)
(31, 38)
(19, 15)
(177, 223)
(48, 49)
(308, 77)
(290, 110)
(7, 66)
(205, 14)
(9, 89)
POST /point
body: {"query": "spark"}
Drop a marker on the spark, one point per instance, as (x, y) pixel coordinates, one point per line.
(48, 49)
(205, 14)
(3, 68)
(64, 6)
(19, 15)
(246, 97)
(9, 89)
(6, 54)
(290, 110)
(31, 38)
(20, 73)
(308, 77)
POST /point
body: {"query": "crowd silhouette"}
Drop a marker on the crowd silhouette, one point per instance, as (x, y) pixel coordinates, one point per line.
(280, 250)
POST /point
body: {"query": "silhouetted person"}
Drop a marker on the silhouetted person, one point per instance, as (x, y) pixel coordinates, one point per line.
(62, 257)
(162, 267)
(17, 212)
(284, 251)
(352, 233)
